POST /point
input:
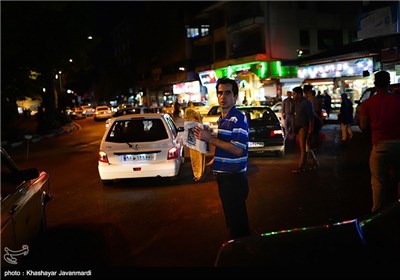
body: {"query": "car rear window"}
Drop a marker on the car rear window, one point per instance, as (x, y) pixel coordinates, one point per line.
(137, 130)
(256, 115)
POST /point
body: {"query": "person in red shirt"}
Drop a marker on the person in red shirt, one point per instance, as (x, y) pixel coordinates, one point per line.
(380, 116)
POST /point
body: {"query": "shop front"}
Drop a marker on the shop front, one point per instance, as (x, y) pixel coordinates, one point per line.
(287, 84)
(188, 91)
(208, 80)
(348, 76)
(258, 80)
(390, 60)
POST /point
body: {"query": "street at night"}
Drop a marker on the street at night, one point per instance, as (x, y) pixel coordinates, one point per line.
(101, 100)
(179, 223)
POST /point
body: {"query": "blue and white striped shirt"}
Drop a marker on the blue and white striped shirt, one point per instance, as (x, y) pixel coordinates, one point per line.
(232, 128)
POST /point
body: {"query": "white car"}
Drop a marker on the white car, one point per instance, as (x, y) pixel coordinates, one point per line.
(89, 110)
(142, 145)
(102, 113)
(277, 108)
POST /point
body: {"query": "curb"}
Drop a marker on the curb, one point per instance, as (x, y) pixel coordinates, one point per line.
(36, 138)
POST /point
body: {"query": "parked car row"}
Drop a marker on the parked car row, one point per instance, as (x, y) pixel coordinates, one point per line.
(76, 112)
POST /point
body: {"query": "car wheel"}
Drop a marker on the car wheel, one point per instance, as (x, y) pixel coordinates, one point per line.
(107, 182)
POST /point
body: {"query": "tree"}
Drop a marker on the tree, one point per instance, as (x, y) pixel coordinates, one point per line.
(42, 36)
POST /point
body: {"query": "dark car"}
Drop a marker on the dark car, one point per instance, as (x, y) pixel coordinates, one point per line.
(265, 130)
(24, 195)
(354, 248)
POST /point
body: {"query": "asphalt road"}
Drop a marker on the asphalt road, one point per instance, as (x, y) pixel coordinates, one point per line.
(148, 226)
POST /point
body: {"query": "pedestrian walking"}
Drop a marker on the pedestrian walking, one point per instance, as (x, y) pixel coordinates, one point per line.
(380, 116)
(313, 139)
(346, 117)
(303, 124)
(327, 103)
(288, 115)
(230, 159)
(177, 109)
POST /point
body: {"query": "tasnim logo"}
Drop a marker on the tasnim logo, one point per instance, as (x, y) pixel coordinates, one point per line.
(10, 255)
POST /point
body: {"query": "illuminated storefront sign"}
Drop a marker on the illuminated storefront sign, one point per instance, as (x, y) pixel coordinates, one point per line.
(263, 69)
(354, 67)
(208, 77)
(188, 87)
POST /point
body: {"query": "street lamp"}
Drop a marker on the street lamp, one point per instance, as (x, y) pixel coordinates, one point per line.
(59, 72)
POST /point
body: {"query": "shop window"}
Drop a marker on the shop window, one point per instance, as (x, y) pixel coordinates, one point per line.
(192, 32)
(204, 30)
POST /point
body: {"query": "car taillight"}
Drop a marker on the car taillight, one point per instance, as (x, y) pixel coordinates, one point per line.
(275, 132)
(173, 153)
(103, 157)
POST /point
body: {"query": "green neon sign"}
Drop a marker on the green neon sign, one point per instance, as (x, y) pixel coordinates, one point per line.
(263, 69)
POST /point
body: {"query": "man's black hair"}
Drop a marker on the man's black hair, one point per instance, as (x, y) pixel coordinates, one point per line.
(225, 80)
(298, 90)
(382, 79)
(307, 87)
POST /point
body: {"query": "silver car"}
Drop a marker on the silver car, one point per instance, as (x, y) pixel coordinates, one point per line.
(24, 195)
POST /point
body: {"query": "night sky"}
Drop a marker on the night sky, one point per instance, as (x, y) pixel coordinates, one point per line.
(31, 29)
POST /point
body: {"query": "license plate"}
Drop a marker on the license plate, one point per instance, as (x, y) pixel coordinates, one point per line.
(137, 157)
(256, 144)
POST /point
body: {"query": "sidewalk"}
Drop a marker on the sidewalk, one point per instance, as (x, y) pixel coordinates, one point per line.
(25, 129)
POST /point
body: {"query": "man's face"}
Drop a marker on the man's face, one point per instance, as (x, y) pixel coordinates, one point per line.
(296, 96)
(226, 99)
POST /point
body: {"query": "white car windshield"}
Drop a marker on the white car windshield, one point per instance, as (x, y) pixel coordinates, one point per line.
(137, 130)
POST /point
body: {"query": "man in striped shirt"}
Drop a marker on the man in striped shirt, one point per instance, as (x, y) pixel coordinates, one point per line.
(230, 158)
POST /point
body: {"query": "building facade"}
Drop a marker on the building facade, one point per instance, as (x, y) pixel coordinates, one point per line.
(261, 44)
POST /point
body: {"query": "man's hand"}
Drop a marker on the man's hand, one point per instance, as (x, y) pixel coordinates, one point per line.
(206, 136)
(202, 134)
